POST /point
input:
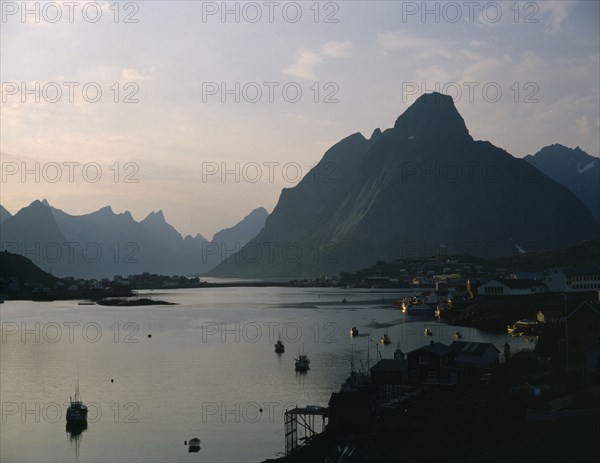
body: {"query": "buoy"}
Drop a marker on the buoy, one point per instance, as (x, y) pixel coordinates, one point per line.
(184, 442)
(149, 335)
(260, 410)
(112, 380)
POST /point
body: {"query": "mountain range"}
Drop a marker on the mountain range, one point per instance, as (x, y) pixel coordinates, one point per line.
(573, 168)
(104, 244)
(423, 187)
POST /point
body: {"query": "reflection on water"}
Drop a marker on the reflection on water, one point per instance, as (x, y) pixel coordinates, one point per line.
(74, 434)
(207, 370)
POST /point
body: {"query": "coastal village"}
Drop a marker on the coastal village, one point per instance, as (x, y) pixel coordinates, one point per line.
(470, 393)
(440, 392)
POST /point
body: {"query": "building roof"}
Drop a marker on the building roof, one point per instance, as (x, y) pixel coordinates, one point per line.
(527, 275)
(579, 271)
(390, 365)
(595, 342)
(353, 399)
(521, 284)
(595, 306)
(436, 348)
(513, 283)
(472, 348)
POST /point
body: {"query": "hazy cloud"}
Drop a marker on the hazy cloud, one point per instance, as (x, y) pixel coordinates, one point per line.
(556, 11)
(307, 61)
(304, 67)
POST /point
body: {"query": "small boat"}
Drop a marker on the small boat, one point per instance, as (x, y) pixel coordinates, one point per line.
(385, 339)
(86, 303)
(398, 354)
(279, 347)
(194, 445)
(457, 335)
(344, 300)
(77, 411)
(427, 332)
(354, 331)
(302, 362)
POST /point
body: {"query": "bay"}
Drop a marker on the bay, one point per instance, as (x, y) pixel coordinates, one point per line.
(157, 376)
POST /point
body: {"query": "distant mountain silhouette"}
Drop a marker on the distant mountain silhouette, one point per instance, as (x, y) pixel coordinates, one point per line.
(4, 214)
(104, 244)
(424, 187)
(573, 168)
(230, 240)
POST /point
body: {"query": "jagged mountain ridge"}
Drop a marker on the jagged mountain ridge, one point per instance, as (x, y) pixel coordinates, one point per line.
(573, 168)
(421, 188)
(103, 244)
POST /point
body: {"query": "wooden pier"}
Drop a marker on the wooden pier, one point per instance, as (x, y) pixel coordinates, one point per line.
(307, 419)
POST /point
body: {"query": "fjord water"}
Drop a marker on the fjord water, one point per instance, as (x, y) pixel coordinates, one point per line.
(205, 372)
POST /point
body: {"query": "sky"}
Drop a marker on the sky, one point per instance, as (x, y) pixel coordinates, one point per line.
(207, 110)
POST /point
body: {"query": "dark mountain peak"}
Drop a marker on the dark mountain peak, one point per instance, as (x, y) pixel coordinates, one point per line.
(375, 135)
(432, 116)
(258, 212)
(45, 202)
(155, 217)
(127, 215)
(36, 205)
(198, 238)
(573, 168)
(4, 214)
(557, 151)
(105, 210)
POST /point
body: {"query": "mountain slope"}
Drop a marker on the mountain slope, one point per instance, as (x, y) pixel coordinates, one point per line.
(230, 240)
(17, 266)
(4, 214)
(421, 188)
(573, 168)
(33, 233)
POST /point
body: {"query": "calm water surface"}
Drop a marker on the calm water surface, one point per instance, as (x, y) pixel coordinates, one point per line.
(205, 372)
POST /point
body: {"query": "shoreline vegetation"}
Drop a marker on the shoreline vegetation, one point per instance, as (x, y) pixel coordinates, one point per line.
(117, 302)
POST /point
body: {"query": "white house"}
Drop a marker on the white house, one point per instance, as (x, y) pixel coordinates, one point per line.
(511, 287)
(572, 279)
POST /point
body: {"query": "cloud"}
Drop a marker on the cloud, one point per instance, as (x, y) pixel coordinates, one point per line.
(307, 60)
(478, 44)
(304, 67)
(336, 49)
(134, 75)
(394, 41)
(416, 47)
(556, 11)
